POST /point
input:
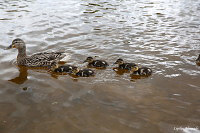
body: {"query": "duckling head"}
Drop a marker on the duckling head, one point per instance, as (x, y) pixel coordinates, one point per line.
(54, 65)
(119, 61)
(135, 68)
(75, 70)
(18, 44)
(89, 60)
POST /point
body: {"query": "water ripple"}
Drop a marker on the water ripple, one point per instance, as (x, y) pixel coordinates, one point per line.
(161, 34)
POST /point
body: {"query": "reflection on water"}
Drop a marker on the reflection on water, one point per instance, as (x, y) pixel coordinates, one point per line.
(22, 76)
(120, 71)
(160, 34)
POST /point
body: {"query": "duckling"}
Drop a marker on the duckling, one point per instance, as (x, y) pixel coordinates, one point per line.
(96, 63)
(36, 60)
(141, 71)
(83, 72)
(124, 66)
(198, 60)
(55, 67)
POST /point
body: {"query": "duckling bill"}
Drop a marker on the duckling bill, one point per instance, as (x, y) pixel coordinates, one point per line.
(83, 72)
(96, 63)
(124, 66)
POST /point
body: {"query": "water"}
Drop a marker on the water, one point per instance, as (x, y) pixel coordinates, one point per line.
(161, 34)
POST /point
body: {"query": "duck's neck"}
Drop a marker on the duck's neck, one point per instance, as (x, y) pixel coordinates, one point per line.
(21, 53)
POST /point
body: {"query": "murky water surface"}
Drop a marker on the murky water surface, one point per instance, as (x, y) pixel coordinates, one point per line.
(161, 34)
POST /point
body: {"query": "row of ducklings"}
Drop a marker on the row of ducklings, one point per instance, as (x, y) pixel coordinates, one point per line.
(100, 64)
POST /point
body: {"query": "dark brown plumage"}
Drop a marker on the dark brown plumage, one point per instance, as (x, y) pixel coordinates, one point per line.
(96, 63)
(141, 71)
(83, 72)
(55, 67)
(124, 66)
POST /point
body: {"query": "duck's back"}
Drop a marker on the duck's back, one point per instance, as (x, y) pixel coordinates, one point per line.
(41, 59)
(48, 56)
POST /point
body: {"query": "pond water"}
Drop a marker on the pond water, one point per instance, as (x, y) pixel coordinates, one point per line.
(161, 34)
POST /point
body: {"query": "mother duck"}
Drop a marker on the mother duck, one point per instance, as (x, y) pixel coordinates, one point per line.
(36, 60)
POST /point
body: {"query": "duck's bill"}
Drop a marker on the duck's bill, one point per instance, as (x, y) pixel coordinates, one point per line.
(115, 63)
(9, 47)
(84, 61)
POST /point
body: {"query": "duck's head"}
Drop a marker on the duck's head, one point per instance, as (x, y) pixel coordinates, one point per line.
(75, 70)
(135, 68)
(54, 65)
(17, 43)
(89, 59)
(119, 61)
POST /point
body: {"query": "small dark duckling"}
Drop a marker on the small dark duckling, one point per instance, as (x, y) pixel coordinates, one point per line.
(141, 71)
(96, 63)
(83, 72)
(55, 67)
(198, 60)
(124, 66)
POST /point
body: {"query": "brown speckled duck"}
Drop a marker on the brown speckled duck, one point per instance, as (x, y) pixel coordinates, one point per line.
(36, 60)
(96, 63)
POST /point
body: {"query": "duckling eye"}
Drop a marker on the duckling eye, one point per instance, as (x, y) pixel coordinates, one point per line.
(13, 42)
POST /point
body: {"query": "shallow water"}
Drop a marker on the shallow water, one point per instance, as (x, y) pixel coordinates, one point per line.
(161, 34)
